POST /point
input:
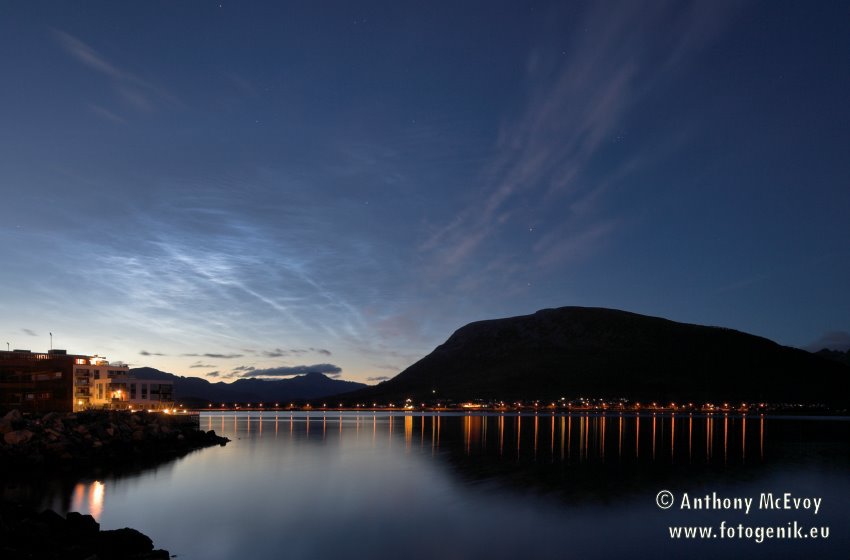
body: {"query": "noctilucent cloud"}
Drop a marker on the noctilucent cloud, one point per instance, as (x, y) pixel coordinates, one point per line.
(233, 189)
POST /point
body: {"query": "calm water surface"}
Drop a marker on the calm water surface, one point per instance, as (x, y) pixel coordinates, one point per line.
(299, 485)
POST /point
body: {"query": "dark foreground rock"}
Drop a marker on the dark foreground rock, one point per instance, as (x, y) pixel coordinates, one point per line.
(26, 534)
(96, 439)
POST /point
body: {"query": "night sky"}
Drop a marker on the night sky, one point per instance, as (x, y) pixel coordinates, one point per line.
(223, 188)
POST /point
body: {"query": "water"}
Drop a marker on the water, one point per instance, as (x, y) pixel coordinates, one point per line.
(298, 485)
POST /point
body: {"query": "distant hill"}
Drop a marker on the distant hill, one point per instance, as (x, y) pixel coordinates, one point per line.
(835, 356)
(577, 351)
(307, 386)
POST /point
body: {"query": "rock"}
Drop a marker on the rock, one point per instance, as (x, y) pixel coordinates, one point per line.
(17, 437)
(98, 437)
(25, 534)
(56, 434)
(82, 524)
(122, 543)
(57, 448)
(13, 416)
(50, 519)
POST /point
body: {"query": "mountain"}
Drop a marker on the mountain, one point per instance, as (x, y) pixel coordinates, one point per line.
(835, 356)
(597, 352)
(307, 386)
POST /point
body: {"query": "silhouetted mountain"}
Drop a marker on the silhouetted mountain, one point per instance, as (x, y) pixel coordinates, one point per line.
(576, 351)
(307, 386)
(835, 356)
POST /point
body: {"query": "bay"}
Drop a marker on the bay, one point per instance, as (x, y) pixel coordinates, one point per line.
(454, 485)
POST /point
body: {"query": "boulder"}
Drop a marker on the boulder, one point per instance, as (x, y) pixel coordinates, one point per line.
(56, 434)
(13, 416)
(122, 543)
(51, 520)
(27, 534)
(81, 524)
(17, 437)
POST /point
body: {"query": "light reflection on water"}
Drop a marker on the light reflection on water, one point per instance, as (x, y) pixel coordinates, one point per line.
(671, 438)
(88, 498)
(377, 485)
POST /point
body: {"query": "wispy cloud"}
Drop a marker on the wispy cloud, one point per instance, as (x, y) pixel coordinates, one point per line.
(377, 378)
(202, 365)
(215, 373)
(578, 97)
(107, 114)
(279, 352)
(146, 353)
(134, 91)
(184, 271)
(212, 355)
(29, 332)
(288, 371)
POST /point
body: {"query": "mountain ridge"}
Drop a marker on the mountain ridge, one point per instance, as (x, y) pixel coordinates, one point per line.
(592, 351)
(312, 385)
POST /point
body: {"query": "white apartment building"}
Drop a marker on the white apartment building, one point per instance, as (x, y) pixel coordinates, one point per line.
(100, 384)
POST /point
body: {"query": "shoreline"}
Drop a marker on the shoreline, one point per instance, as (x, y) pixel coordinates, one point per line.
(28, 533)
(85, 444)
(91, 440)
(772, 413)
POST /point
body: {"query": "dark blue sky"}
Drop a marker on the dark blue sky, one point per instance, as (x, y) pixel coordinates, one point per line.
(235, 185)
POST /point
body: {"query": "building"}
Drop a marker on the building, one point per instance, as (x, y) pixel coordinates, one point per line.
(58, 381)
(111, 387)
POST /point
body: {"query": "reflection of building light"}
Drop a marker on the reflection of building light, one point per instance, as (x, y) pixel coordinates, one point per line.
(77, 497)
(88, 497)
(96, 492)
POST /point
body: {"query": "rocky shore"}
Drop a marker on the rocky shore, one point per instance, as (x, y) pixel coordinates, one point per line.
(84, 444)
(101, 439)
(26, 534)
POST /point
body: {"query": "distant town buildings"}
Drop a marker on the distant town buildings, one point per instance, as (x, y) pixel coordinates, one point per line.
(58, 381)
